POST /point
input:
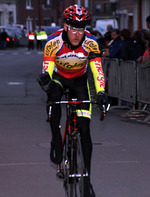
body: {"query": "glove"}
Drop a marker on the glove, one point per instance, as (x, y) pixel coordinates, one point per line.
(102, 100)
(44, 80)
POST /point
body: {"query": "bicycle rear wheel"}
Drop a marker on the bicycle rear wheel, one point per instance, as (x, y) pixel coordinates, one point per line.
(74, 171)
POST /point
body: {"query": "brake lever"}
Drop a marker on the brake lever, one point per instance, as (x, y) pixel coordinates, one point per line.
(104, 110)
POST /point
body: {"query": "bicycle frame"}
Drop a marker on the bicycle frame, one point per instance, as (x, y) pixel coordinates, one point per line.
(73, 163)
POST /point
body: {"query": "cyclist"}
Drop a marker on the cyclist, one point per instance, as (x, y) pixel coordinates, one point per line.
(65, 63)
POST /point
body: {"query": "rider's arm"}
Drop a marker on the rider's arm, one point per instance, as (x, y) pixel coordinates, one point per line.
(48, 68)
(92, 47)
(98, 74)
(48, 59)
(48, 65)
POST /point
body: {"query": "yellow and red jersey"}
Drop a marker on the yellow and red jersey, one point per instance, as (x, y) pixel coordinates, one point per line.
(71, 63)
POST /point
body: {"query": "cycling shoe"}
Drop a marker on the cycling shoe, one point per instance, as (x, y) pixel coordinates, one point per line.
(56, 152)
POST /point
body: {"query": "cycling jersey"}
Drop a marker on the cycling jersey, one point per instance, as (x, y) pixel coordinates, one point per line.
(71, 63)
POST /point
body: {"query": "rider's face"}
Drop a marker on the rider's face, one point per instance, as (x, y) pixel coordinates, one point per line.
(75, 35)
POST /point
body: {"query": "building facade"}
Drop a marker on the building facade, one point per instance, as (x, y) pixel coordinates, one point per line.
(8, 11)
(36, 14)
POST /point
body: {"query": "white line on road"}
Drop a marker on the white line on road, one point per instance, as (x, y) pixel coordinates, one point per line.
(15, 83)
(22, 164)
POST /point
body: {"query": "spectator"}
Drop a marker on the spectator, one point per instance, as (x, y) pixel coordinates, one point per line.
(3, 38)
(145, 59)
(115, 46)
(107, 36)
(31, 39)
(0, 39)
(148, 22)
(99, 38)
(43, 38)
(109, 28)
(130, 50)
(139, 41)
(107, 39)
(38, 40)
(114, 52)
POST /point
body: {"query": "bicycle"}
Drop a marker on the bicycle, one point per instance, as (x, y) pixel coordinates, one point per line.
(72, 168)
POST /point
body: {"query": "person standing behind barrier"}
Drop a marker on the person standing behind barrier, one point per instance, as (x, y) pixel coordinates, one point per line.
(0, 40)
(38, 40)
(130, 50)
(115, 46)
(100, 39)
(114, 51)
(139, 41)
(31, 39)
(145, 59)
(43, 38)
(148, 22)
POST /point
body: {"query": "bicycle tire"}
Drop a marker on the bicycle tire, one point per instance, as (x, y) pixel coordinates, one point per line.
(74, 170)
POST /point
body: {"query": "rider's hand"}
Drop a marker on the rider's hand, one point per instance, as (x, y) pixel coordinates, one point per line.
(102, 100)
(44, 80)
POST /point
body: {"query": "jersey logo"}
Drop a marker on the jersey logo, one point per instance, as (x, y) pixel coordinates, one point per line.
(51, 47)
(45, 66)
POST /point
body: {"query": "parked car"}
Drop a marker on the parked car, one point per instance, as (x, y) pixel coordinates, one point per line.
(51, 29)
(11, 39)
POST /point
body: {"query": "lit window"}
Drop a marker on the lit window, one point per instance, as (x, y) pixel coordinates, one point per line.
(28, 4)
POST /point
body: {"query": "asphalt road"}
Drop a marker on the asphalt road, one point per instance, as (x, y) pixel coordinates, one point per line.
(121, 147)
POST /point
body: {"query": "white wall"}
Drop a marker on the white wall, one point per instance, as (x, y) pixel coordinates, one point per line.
(5, 9)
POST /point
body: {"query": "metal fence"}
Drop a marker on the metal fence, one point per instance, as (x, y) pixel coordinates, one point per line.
(126, 80)
(143, 83)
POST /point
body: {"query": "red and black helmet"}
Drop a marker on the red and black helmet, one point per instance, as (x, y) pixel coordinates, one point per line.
(76, 16)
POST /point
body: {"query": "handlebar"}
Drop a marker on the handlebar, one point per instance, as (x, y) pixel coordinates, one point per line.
(75, 102)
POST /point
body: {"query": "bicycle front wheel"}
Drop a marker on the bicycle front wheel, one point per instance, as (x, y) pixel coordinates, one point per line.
(75, 171)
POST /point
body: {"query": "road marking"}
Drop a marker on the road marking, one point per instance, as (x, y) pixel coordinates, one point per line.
(22, 53)
(15, 83)
(47, 163)
(22, 164)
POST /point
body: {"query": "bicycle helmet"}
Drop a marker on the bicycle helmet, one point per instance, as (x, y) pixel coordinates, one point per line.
(76, 16)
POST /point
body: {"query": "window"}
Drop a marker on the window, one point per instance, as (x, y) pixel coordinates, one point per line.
(45, 3)
(28, 4)
(98, 8)
(109, 8)
(48, 2)
(11, 17)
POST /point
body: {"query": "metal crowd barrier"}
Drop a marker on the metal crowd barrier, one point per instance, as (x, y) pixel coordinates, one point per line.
(143, 83)
(127, 80)
(111, 70)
